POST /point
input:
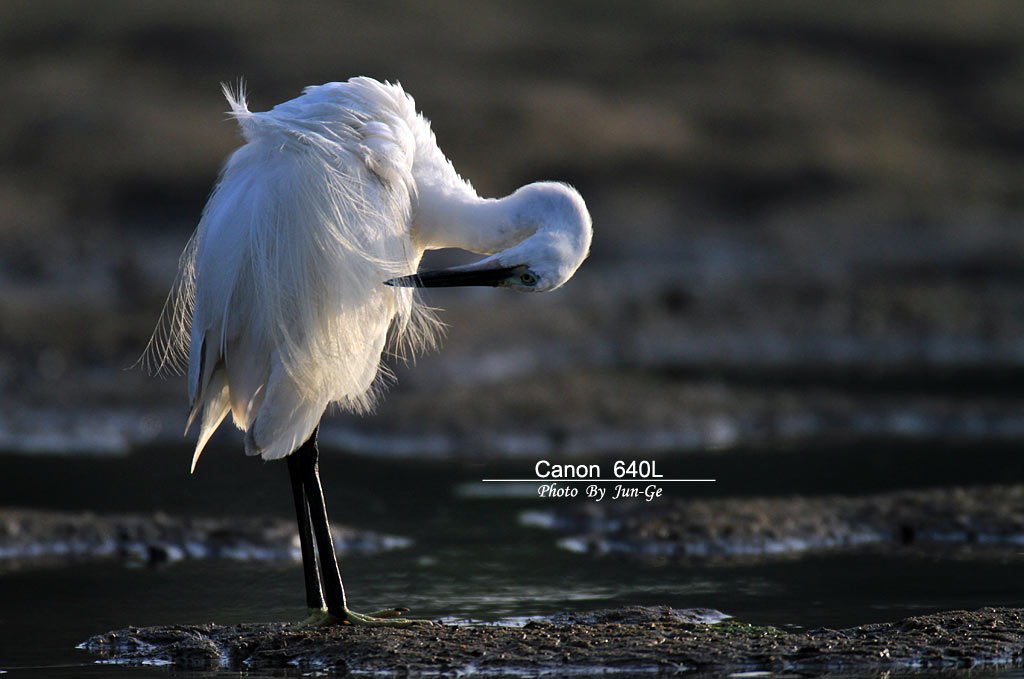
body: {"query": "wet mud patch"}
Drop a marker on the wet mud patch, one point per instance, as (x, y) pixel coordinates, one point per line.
(629, 641)
(32, 537)
(976, 522)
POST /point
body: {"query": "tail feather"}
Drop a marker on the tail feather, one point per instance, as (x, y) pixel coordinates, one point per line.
(285, 420)
(216, 405)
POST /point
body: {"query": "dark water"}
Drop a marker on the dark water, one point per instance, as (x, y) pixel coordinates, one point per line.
(471, 558)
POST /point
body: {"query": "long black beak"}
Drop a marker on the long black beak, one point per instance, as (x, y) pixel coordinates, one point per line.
(456, 276)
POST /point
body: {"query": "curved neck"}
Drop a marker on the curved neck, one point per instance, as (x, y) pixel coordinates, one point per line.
(446, 217)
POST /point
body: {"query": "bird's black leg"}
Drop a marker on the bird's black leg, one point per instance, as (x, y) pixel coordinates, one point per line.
(333, 592)
(310, 571)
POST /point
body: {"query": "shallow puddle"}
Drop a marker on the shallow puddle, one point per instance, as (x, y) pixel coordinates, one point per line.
(471, 558)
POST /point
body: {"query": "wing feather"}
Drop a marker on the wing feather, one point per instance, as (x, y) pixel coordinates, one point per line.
(280, 301)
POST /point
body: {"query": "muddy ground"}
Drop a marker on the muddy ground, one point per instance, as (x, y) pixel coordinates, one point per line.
(630, 641)
(968, 523)
(36, 538)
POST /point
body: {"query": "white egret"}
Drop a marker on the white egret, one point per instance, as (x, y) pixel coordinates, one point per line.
(303, 265)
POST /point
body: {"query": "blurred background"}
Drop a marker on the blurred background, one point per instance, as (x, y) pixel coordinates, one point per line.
(807, 273)
(793, 194)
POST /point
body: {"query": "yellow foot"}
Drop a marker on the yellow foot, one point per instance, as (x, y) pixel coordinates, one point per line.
(317, 617)
(389, 617)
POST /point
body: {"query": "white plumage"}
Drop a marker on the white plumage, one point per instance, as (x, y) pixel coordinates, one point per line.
(281, 303)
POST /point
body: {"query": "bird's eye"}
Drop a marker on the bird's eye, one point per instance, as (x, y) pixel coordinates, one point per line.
(528, 278)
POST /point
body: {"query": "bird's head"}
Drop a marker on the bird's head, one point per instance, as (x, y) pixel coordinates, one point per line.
(560, 229)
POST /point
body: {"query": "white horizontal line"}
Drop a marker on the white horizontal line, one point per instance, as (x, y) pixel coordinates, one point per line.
(598, 480)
